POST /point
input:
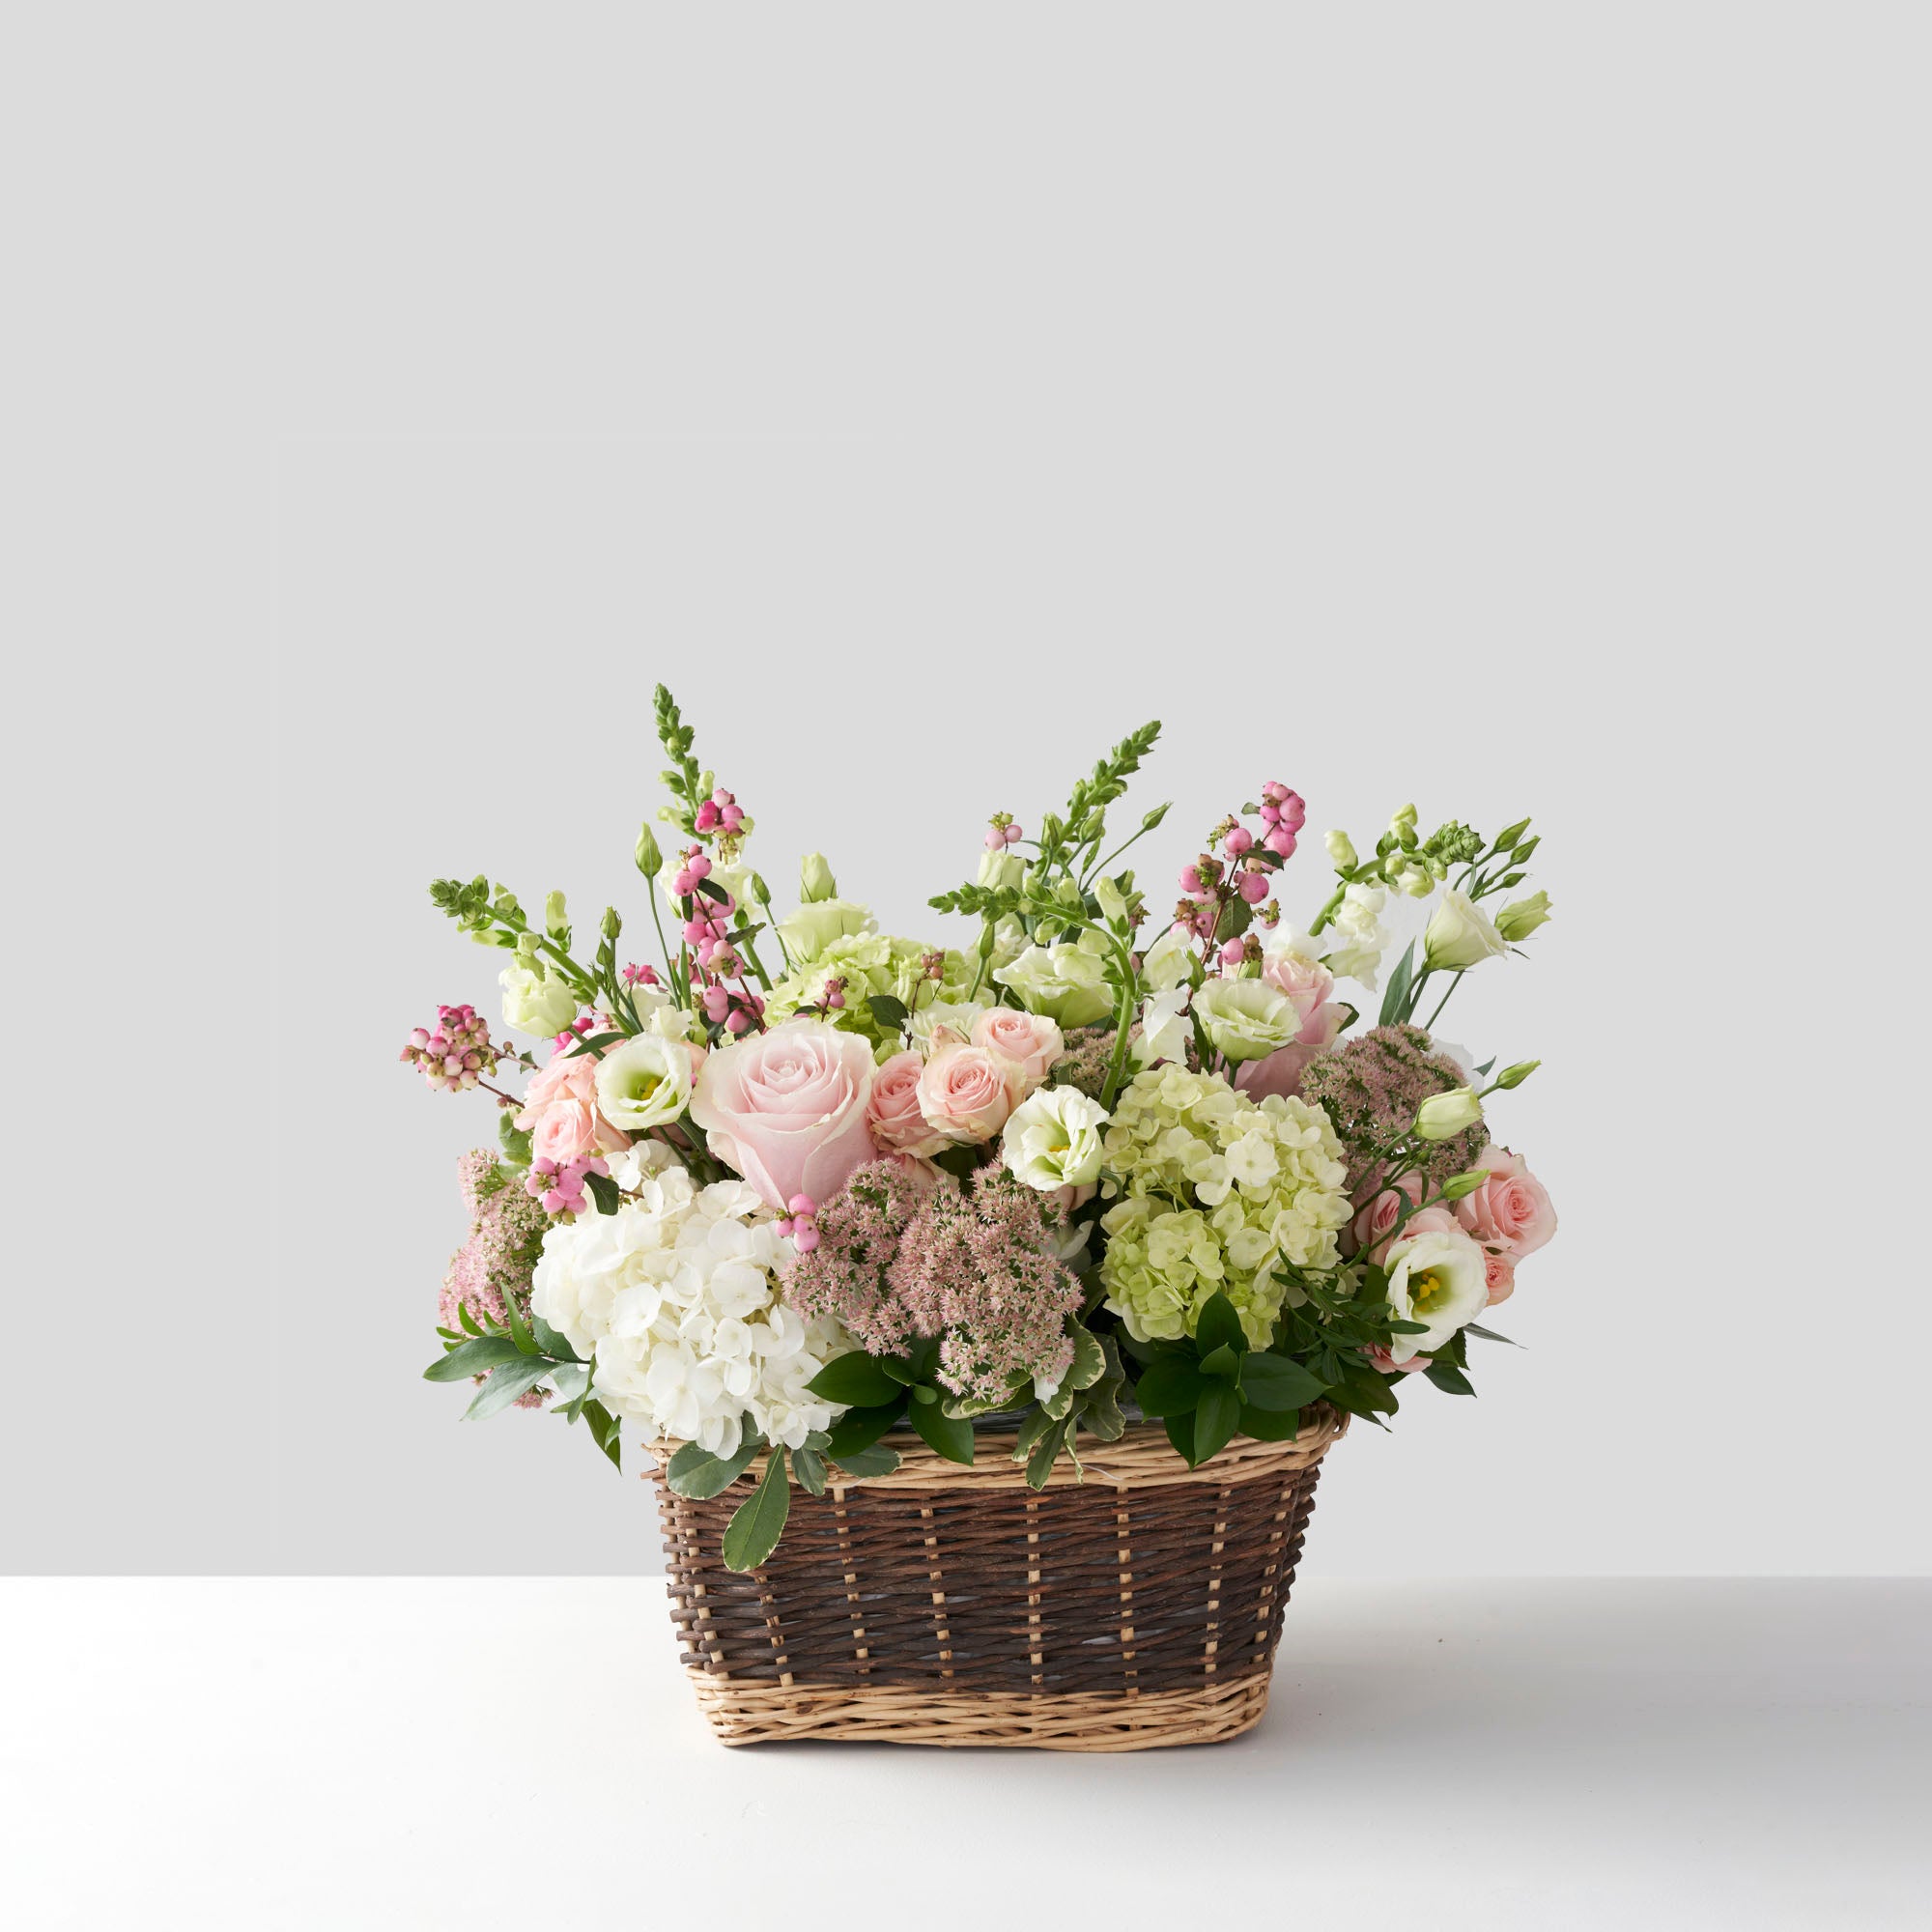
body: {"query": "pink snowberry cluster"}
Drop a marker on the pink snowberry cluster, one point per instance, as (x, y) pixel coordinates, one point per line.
(1001, 832)
(736, 1008)
(456, 1052)
(641, 976)
(833, 999)
(720, 812)
(573, 1033)
(558, 1185)
(1245, 870)
(802, 1223)
(1284, 813)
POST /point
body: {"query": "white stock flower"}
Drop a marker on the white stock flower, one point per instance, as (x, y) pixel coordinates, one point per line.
(535, 1002)
(1361, 935)
(1053, 1140)
(1459, 936)
(674, 1300)
(1164, 1030)
(1168, 962)
(1437, 1278)
(1246, 1019)
(643, 1083)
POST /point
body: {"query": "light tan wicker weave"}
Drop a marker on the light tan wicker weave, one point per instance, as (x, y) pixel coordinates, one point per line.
(947, 1606)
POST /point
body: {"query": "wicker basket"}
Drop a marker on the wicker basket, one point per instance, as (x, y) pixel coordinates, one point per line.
(947, 1606)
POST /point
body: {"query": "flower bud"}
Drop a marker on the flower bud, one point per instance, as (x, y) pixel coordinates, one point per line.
(1000, 870)
(1515, 1076)
(1521, 856)
(1510, 834)
(1460, 1184)
(650, 861)
(1402, 828)
(1443, 1114)
(613, 925)
(755, 884)
(556, 922)
(1111, 901)
(815, 879)
(1520, 919)
(1342, 851)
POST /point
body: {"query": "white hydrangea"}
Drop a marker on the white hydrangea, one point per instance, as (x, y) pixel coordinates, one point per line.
(674, 1300)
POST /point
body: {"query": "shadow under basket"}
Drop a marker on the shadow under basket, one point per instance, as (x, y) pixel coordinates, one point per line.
(947, 1606)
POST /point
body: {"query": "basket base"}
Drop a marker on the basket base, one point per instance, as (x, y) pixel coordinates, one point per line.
(746, 1713)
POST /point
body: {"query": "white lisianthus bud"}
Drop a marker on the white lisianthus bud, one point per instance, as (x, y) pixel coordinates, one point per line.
(1246, 1019)
(1342, 851)
(556, 922)
(1459, 936)
(1053, 1140)
(643, 1083)
(535, 1002)
(649, 859)
(1521, 917)
(815, 879)
(1443, 1114)
(1515, 1076)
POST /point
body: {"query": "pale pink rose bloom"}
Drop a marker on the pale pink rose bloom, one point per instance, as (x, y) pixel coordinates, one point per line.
(1510, 1211)
(1280, 1072)
(1500, 1273)
(559, 1110)
(1427, 1221)
(1386, 1362)
(966, 1092)
(893, 1112)
(1029, 1041)
(1374, 1222)
(786, 1109)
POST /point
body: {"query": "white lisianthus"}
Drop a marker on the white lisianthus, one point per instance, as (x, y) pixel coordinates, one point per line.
(942, 1017)
(816, 927)
(1168, 962)
(1436, 1277)
(1360, 935)
(1164, 1030)
(1067, 983)
(537, 1001)
(643, 1083)
(1459, 935)
(1246, 1019)
(673, 1301)
(1053, 1140)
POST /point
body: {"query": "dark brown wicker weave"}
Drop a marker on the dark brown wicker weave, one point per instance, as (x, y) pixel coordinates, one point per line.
(950, 1605)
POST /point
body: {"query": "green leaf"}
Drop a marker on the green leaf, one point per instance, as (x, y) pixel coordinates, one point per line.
(1449, 1379)
(889, 1013)
(855, 1380)
(472, 1359)
(515, 1141)
(519, 1330)
(760, 1520)
(604, 1191)
(1223, 1363)
(1180, 1433)
(1397, 993)
(1090, 1360)
(950, 1436)
(694, 1471)
(1046, 1453)
(1215, 1420)
(809, 1466)
(571, 1381)
(606, 1431)
(1218, 1327)
(1270, 1425)
(1273, 1381)
(875, 1460)
(858, 1429)
(551, 1342)
(1488, 1335)
(506, 1384)
(1169, 1387)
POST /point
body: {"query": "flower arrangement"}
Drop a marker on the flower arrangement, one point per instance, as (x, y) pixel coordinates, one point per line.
(799, 1183)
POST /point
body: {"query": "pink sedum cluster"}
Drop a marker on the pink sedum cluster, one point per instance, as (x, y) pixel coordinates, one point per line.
(492, 1270)
(456, 1052)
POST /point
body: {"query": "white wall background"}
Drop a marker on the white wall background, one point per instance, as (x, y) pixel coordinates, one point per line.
(1513, 409)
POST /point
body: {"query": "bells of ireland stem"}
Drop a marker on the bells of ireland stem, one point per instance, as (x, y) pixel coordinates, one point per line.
(1443, 1114)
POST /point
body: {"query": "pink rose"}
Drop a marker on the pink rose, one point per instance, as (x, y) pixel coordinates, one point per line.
(559, 1111)
(1426, 1221)
(1374, 1223)
(893, 1112)
(1278, 1072)
(1500, 1273)
(786, 1109)
(966, 1092)
(1510, 1211)
(1032, 1042)
(1384, 1360)
(1307, 982)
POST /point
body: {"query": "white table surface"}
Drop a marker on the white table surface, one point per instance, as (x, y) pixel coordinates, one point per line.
(375, 1752)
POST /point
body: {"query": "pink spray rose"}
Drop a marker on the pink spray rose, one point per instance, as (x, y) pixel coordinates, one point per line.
(1428, 1221)
(966, 1092)
(1510, 1211)
(1032, 1042)
(786, 1109)
(892, 1113)
(1499, 1271)
(1374, 1223)
(559, 1111)
(1307, 983)
(1383, 1359)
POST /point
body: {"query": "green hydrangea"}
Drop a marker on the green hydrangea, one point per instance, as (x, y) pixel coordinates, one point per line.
(870, 963)
(1216, 1191)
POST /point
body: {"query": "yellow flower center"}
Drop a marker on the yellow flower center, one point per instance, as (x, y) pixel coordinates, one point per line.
(644, 1085)
(1426, 1291)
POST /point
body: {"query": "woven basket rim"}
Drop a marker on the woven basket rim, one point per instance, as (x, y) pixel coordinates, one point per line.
(1143, 1458)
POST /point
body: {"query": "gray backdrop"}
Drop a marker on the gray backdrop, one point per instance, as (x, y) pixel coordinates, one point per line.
(1505, 411)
